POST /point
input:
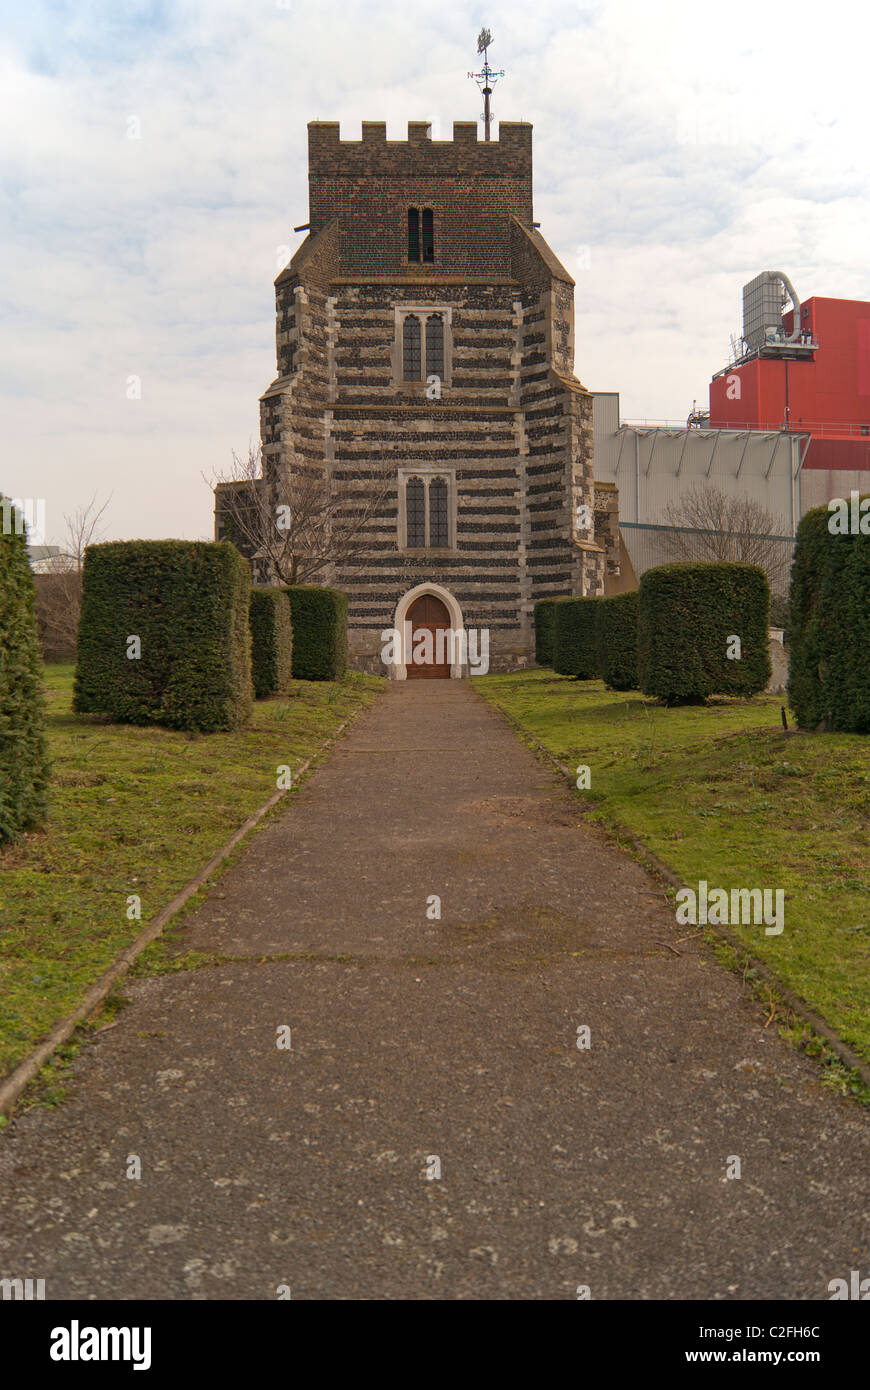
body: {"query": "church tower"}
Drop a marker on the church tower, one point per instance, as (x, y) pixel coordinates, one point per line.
(425, 346)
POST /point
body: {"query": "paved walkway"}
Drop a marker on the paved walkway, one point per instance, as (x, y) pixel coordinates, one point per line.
(414, 1038)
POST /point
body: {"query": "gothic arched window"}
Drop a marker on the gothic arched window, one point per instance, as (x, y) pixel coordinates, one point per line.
(426, 502)
(438, 528)
(423, 346)
(435, 345)
(411, 352)
(411, 348)
(415, 501)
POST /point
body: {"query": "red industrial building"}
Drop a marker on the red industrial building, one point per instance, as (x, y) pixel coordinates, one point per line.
(804, 369)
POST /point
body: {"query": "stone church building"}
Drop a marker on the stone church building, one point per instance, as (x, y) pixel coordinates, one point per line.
(425, 344)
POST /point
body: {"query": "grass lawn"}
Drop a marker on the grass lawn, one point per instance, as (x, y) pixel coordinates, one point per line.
(720, 792)
(132, 811)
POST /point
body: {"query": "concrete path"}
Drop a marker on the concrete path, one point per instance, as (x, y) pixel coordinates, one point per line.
(454, 1038)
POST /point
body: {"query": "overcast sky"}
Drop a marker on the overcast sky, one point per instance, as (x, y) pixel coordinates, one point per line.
(680, 148)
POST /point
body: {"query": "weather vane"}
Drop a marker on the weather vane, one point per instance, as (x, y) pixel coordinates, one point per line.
(486, 78)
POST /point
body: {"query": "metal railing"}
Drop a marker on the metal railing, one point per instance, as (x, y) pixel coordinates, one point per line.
(827, 428)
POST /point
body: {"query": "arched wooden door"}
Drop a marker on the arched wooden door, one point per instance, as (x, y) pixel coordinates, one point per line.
(430, 614)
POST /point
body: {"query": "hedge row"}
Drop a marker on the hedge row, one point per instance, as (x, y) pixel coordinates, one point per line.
(271, 642)
(575, 637)
(545, 619)
(24, 769)
(596, 637)
(689, 631)
(187, 603)
(617, 641)
(829, 627)
(319, 633)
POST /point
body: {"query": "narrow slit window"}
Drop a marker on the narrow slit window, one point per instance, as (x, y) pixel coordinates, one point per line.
(413, 234)
(415, 500)
(428, 235)
(435, 345)
(438, 528)
(411, 353)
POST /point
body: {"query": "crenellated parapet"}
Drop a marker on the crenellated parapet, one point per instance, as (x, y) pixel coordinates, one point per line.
(485, 177)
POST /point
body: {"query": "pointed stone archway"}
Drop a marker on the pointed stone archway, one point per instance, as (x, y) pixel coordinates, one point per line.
(399, 672)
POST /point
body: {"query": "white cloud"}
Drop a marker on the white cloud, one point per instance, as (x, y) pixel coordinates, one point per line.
(679, 149)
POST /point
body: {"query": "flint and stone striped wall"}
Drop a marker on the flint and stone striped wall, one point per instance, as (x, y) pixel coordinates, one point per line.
(513, 427)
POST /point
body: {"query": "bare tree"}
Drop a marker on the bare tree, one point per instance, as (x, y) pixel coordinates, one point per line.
(59, 592)
(296, 526)
(83, 529)
(708, 524)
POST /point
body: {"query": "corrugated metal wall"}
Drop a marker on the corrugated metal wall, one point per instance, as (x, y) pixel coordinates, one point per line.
(648, 546)
(820, 485)
(655, 466)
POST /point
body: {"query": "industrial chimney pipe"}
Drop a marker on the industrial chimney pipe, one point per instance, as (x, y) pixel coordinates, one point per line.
(796, 304)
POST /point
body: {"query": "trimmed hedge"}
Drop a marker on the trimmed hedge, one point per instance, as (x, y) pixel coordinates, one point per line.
(671, 660)
(545, 619)
(575, 637)
(24, 768)
(739, 597)
(806, 693)
(271, 642)
(617, 640)
(188, 602)
(319, 617)
(829, 627)
(686, 614)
